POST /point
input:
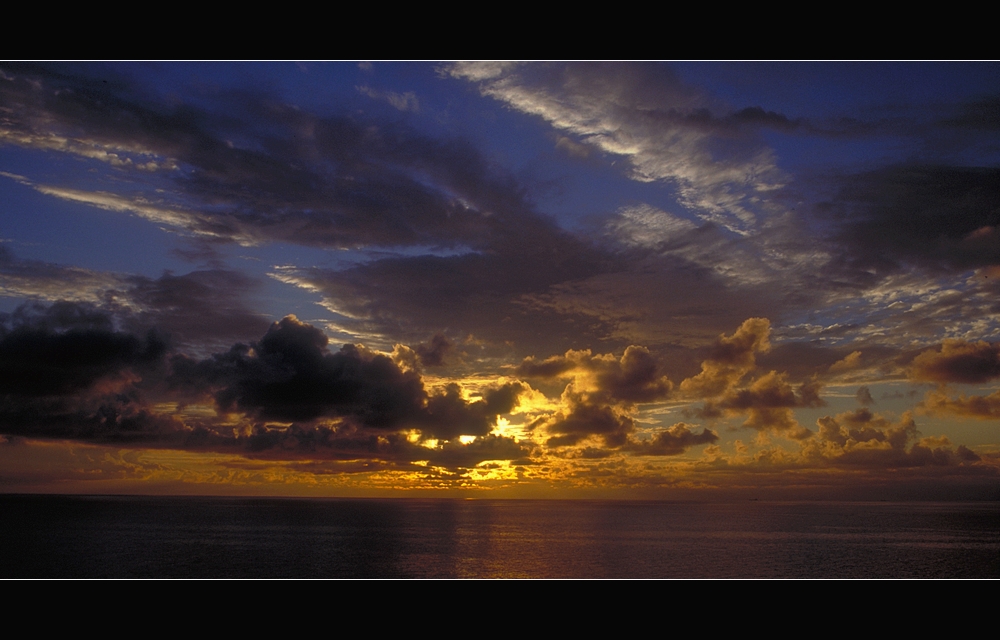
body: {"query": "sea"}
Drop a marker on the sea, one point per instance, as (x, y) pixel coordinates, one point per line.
(45, 536)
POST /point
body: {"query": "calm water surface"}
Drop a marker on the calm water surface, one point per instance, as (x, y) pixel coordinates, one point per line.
(139, 537)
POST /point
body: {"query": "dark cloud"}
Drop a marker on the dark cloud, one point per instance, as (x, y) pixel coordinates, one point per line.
(56, 318)
(864, 396)
(448, 415)
(938, 217)
(247, 167)
(772, 391)
(552, 367)
(491, 447)
(65, 371)
(66, 349)
(673, 441)
(583, 419)
(290, 375)
(958, 361)
(758, 117)
(432, 354)
(981, 115)
(310, 442)
(481, 293)
(203, 309)
(634, 378)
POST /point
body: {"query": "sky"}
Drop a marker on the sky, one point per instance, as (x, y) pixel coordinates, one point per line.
(498, 279)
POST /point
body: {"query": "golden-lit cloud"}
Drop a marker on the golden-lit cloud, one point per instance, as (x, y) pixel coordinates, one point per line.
(958, 361)
(731, 358)
(937, 402)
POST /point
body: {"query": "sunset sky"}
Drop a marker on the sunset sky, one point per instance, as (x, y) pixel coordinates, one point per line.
(625, 280)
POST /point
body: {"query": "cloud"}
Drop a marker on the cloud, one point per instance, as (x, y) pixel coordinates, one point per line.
(643, 112)
(730, 359)
(941, 218)
(406, 101)
(66, 349)
(864, 396)
(958, 361)
(491, 447)
(432, 355)
(632, 378)
(767, 400)
(200, 310)
(937, 402)
(475, 292)
(245, 167)
(448, 415)
(862, 439)
(65, 372)
(582, 419)
(768, 403)
(601, 395)
(848, 363)
(673, 441)
(982, 115)
(290, 375)
(51, 282)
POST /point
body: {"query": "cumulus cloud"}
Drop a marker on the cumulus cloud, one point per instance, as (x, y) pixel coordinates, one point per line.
(848, 363)
(291, 375)
(938, 402)
(863, 439)
(634, 377)
(730, 359)
(673, 441)
(432, 354)
(583, 418)
(66, 349)
(768, 403)
(601, 394)
(864, 396)
(66, 372)
(729, 387)
(958, 361)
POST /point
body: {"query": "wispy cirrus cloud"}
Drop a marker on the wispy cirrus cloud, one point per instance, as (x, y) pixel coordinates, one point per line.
(664, 128)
